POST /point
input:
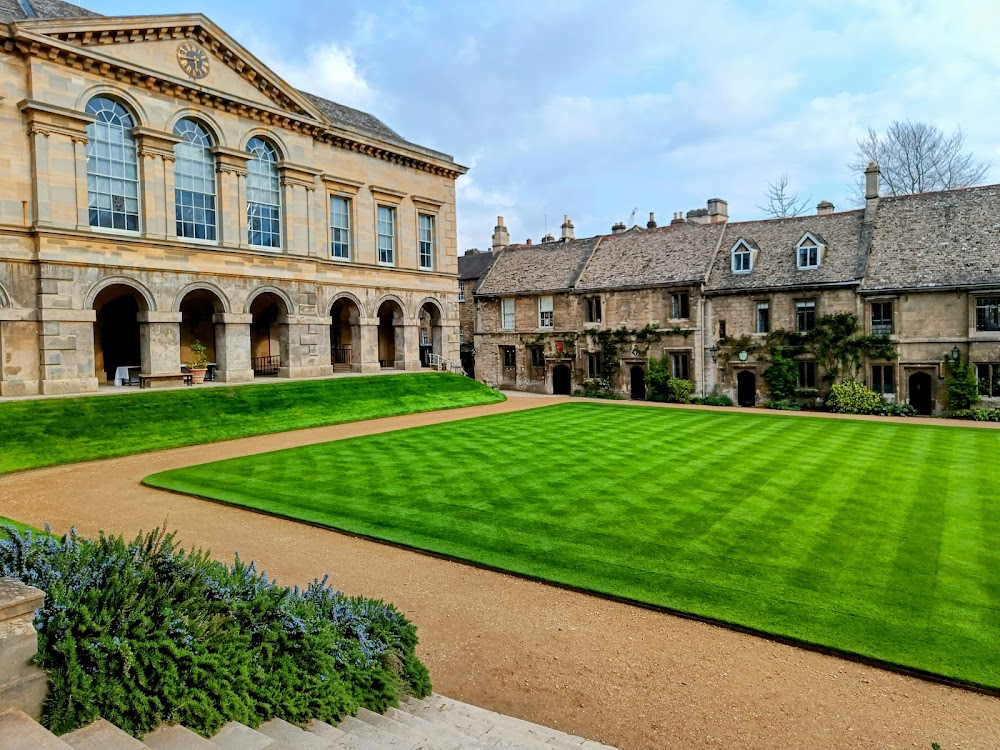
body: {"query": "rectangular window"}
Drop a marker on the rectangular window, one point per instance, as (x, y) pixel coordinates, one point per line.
(808, 255)
(882, 379)
(722, 329)
(594, 365)
(537, 357)
(194, 192)
(509, 357)
(545, 319)
(807, 374)
(989, 379)
(593, 309)
(679, 305)
(340, 227)
(679, 365)
(386, 235)
(805, 315)
(882, 317)
(426, 241)
(988, 313)
(461, 291)
(763, 317)
(507, 313)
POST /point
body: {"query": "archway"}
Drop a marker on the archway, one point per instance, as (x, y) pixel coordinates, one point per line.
(562, 380)
(920, 393)
(198, 310)
(117, 343)
(345, 334)
(637, 375)
(268, 335)
(390, 335)
(430, 332)
(746, 388)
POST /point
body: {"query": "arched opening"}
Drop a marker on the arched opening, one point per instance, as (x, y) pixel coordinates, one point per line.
(430, 333)
(117, 343)
(637, 376)
(198, 309)
(562, 380)
(345, 334)
(268, 335)
(390, 335)
(921, 397)
(746, 388)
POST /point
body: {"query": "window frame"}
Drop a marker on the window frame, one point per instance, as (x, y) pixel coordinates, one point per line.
(540, 352)
(504, 302)
(348, 244)
(879, 326)
(595, 368)
(461, 291)
(813, 249)
(207, 160)
(506, 350)
(807, 373)
(389, 251)
(878, 381)
(543, 321)
(740, 249)
(592, 305)
(680, 306)
(762, 307)
(991, 381)
(987, 313)
(680, 365)
(129, 147)
(801, 307)
(278, 207)
(429, 245)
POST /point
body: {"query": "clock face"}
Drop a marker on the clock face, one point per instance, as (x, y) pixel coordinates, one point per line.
(192, 59)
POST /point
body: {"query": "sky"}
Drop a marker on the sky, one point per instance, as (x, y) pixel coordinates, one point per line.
(601, 109)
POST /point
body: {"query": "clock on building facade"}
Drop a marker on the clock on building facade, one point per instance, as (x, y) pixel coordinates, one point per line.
(193, 60)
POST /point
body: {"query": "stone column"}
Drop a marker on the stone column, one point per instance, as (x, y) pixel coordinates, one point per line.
(324, 352)
(232, 347)
(160, 341)
(407, 343)
(365, 354)
(287, 368)
(82, 191)
(298, 185)
(156, 157)
(66, 348)
(301, 345)
(22, 685)
(231, 166)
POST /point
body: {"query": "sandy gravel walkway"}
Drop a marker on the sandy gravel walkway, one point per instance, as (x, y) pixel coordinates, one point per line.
(620, 674)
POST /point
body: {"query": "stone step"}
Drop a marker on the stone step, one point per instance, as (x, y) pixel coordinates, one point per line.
(381, 738)
(425, 740)
(102, 735)
(236, 736)
(18, 731)
(480, 731)
(426, 726)
(292, 736)
(176, 737)
(338, 738)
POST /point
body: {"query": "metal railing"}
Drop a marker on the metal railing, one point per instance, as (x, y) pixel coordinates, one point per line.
(342, 356)
(266, 365)
(441, 364)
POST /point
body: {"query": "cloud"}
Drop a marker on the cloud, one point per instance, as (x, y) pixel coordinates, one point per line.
(329, 71)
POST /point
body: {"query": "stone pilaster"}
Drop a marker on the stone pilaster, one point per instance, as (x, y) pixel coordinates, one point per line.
(22, 685)
(232, 347)
(407, 344)
(160, 341)
(231, 166)
(156, 159)
(298, 186)
(365, 354)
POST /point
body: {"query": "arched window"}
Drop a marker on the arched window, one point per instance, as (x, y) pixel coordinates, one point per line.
(263, 195)
(112, 167)
(194, 182)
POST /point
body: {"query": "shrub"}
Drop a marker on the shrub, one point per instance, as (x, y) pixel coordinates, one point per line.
(978, 415)
(718, 400)
(142, 632)
(782, 377)
(597, 388)
(963, 385)
(657, 378)
(852, 397)
(783, 405)
(679, 391)
(886, 409)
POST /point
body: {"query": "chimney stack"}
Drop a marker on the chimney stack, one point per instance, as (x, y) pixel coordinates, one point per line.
(718, 211)
(824, 208)
(872, 175)
(501, 238)
(527, 241)
(548, 238)
(651, 224)
(618, 227)
(678, 218)
(472, 251)
(567, 229)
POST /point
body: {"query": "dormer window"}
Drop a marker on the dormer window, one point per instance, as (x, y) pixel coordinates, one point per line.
(742, 257)
(809, 251)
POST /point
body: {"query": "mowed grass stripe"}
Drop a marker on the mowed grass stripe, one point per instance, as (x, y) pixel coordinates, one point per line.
(872, 538)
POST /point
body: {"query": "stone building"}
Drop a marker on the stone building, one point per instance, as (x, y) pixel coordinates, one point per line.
(922, 269)
(472, 266)
(163, 186)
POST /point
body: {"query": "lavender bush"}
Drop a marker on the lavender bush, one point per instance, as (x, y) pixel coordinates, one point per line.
(143, 632)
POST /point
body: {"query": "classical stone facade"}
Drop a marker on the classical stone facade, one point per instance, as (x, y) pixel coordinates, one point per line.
(922, 269)
(163, 186)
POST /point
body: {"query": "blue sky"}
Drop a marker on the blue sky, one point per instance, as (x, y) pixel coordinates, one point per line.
(594, 109)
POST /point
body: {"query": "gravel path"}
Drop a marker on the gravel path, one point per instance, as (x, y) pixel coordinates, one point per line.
(619, 674)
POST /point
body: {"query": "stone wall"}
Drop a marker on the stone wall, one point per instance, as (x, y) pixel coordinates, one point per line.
(23, 686)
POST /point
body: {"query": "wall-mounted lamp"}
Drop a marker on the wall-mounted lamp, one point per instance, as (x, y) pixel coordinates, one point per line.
(714, 351)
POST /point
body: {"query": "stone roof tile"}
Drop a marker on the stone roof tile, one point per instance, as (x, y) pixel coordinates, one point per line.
(474, 265)
(531, 269)
(11, 10)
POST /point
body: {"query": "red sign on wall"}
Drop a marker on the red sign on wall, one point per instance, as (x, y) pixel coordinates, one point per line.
(559, 346)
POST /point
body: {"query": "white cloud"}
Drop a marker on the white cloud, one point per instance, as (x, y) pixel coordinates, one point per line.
(329, 71)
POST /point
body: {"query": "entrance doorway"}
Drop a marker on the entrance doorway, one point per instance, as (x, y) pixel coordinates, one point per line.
(268, 335)
(746, 388)
(562, 380)
(345, 319)
(920, 393)
(390, 336)
(637, 376)
(116, 333)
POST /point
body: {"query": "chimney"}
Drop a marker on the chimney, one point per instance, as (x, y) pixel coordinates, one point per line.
(567, 229)
(527, 241)
(871, 180)
(718, 211)
(824, 208)
(678, 218)
(501, 238)
(548, 238)
(698, 215)
(472, 251)
(618, 227)
(651, 224)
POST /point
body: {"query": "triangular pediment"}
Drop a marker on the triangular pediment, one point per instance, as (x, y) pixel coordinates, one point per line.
(181, 50)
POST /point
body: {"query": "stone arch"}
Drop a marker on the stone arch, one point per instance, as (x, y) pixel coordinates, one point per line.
(389, 298)
(114, 92)
(345, 312)
(268, 135)
(268, 289)
(347, 295)
(138, 286)
(210, 123)
(205, 286)
(435, 302)
(430, 320)
(391, 314)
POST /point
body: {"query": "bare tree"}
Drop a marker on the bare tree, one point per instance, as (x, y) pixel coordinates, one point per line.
(915, 157)
(780, 202)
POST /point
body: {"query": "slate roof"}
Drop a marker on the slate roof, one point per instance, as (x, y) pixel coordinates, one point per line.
(474, 266)
(10, 10)
(531, 269)
(946, 239)
(643, 257)
(776, 263)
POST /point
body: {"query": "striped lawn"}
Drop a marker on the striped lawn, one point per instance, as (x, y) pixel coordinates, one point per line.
(873, 538)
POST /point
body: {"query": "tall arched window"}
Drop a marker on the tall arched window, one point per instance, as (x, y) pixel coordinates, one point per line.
(263, 195)
(112, 167)
(194, 182)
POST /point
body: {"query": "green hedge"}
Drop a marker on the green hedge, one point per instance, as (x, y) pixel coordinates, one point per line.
(142, 633)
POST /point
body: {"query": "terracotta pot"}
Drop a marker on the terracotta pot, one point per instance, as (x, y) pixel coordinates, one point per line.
(197, 375)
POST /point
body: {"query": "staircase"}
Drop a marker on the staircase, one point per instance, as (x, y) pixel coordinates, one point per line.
(437, 723)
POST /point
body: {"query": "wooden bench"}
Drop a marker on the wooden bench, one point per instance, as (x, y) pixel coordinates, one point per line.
(166, 379)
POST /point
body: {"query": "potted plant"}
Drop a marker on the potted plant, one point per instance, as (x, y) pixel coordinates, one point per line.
(198, 365)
